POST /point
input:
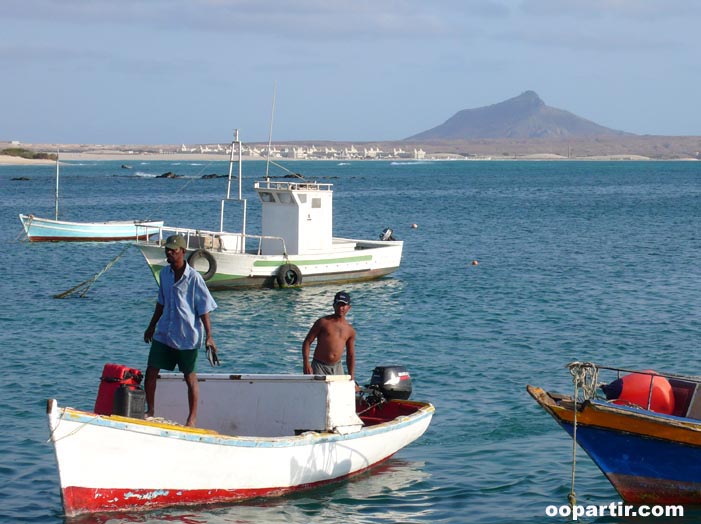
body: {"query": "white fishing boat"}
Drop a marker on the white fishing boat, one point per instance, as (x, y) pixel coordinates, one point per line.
(52, 230)
(257, 435)
(296, 246)
(40, 229)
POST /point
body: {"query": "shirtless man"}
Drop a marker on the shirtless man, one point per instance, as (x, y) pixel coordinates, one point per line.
(334, 335)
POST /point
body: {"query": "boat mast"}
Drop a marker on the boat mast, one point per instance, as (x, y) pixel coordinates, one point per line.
(235, 145)
(56, 192)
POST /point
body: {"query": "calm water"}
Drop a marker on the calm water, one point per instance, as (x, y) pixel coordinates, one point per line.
(577, 261)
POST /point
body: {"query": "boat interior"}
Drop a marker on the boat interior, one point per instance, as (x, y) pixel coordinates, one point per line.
(276, 405)
(685, 391)
(687, 398)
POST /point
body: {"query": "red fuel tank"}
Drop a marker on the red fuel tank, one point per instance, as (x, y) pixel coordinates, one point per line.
(114, 376)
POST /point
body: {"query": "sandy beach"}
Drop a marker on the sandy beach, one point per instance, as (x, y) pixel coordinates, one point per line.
(122, 157)
(7, 160)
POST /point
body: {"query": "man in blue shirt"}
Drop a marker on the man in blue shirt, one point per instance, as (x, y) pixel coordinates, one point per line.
(179, 321)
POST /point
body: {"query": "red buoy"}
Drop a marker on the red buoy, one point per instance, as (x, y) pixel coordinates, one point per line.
(635, 389)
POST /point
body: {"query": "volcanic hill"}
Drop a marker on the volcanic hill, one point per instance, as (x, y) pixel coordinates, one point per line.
(522, 117)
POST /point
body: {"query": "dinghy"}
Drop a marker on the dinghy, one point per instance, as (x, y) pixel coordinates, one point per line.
(257, 435)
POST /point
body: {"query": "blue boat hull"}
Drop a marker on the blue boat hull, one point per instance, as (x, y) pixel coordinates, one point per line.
(643, 469)
(649, 458)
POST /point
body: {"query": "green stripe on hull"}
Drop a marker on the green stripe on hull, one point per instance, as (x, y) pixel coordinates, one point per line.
(218, 277)
(156, 270)
(299, 263)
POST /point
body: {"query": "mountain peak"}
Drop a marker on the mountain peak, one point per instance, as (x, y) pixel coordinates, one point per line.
(528, 97)
(523, 116)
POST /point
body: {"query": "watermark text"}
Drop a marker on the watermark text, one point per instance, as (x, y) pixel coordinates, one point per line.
(614, 509)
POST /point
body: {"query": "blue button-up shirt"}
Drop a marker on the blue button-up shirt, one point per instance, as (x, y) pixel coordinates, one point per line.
(184, 302)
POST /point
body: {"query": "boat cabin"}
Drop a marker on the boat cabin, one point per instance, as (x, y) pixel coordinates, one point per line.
(299, 212)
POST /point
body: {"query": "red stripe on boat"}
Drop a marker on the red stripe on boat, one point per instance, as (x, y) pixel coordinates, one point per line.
(652, 491)
(78, 500)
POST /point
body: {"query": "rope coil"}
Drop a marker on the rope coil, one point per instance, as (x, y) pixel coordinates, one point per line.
(585, 375)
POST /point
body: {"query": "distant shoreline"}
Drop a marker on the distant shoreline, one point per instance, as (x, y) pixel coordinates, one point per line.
(119, 157)
(130, 158)
(655, 148)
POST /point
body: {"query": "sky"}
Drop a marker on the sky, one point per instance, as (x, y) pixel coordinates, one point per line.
(192, 71)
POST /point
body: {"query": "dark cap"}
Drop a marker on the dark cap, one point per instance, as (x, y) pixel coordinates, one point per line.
(341, 298)
(175, 242)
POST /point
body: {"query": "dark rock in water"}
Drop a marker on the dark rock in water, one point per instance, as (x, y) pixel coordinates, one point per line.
(214, 175)
(126, 166)
(169, 174)
(293, 175)
(22, 178)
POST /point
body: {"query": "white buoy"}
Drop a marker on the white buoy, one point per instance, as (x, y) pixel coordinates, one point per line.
(414, 226)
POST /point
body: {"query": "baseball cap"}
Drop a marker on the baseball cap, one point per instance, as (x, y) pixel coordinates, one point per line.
(175, 242)
(342, 298)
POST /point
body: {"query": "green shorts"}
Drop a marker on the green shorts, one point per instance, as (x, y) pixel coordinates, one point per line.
(162, 356)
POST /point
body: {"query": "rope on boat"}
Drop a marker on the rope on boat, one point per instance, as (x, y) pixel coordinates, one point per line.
(585, 376)
(23, 233)
(70, 434)
(84, 286)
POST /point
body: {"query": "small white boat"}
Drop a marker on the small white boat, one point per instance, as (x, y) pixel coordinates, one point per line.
(296, 246)
(257, 435)
(52, 230)
(40, 229)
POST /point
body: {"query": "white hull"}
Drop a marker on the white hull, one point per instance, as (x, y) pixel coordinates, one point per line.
(348, 261)
(49, 230)
(111, 463)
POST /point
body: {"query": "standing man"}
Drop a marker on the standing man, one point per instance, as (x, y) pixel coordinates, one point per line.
(334, 335)
(176, 328)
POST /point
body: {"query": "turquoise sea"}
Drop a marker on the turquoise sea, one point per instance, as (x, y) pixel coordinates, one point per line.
(576, 261)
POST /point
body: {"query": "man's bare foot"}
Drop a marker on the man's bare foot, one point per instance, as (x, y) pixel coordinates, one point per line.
(148, 414)
(190, 423)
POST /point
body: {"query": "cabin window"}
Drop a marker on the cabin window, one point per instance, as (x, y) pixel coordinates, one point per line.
(266, 197)
(284, 198)
(302, 199)
(316, 203)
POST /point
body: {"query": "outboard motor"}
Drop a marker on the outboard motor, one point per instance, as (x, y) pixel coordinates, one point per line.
(387, 234)
(394, 382)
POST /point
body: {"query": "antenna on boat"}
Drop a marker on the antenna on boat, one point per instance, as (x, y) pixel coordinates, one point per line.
(270, 134)
(56, 193)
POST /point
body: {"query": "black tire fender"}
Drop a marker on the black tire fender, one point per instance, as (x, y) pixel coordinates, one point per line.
(203, 253)
(288, 275)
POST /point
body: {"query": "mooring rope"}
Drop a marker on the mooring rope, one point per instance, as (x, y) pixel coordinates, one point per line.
(84, 286)
(71, 433)
(584, 375)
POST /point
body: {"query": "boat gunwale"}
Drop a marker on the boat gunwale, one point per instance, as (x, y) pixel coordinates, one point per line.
(647, 424)
(155, 224)
(172, 431)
